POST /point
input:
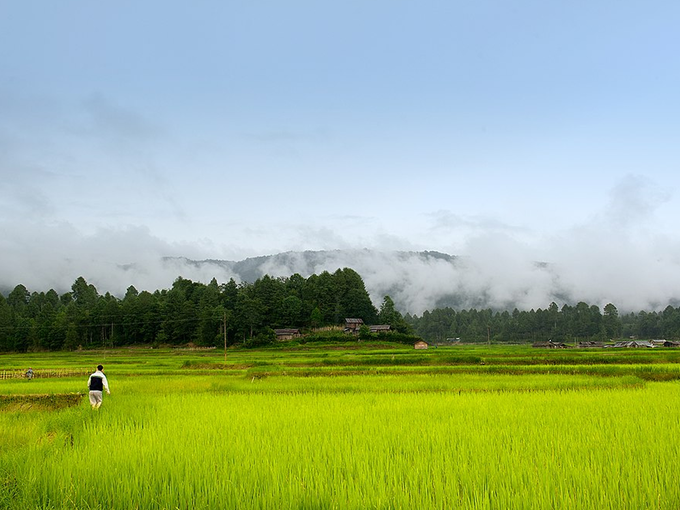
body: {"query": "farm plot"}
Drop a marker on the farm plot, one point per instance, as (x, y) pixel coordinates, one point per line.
(423, 440)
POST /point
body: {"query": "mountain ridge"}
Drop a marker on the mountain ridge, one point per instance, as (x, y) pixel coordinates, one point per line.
(416, 280)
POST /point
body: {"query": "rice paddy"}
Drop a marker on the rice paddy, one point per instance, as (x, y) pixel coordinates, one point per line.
(372, 427)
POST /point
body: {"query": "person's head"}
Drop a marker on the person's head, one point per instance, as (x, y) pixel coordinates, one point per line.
(100, 368)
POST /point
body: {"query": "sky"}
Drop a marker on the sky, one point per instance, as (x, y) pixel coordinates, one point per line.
(532, 130)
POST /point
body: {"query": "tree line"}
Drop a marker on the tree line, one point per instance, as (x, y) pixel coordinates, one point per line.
(247, 314)
(569, 323)
(188, 312)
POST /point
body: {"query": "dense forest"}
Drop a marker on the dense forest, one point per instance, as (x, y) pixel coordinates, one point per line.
(569, 324)
(189, 312)
(248, 313)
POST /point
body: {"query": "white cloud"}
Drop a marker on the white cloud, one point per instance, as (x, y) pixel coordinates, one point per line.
(616, 256)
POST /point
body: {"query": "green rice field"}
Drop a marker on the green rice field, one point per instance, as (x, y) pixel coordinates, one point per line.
(349, 426)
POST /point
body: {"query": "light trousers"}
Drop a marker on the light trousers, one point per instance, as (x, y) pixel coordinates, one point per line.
(96, 398)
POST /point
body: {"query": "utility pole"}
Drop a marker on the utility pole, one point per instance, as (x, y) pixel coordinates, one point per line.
(224, 327)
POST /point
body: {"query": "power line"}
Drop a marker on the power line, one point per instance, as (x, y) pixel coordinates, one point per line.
(110, 324)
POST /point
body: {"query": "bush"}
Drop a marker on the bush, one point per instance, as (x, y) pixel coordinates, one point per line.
(394, 336)
(261, 339)
(329, 336)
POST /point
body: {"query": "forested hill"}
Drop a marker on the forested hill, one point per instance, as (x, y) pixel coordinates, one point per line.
(416, 281)
(307, 263)
(428, 280)
(187, 312)
(248, 313)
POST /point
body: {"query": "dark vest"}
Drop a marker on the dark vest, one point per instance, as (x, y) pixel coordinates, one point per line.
(96, 383)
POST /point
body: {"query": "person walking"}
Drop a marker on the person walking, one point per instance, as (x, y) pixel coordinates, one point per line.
(97, 383)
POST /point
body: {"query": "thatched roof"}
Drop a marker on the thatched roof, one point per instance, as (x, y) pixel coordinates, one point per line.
(590, 344)
(282, 332)
(549, 345)
(635, 344)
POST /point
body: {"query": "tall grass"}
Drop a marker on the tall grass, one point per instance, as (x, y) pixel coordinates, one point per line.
(215, 442)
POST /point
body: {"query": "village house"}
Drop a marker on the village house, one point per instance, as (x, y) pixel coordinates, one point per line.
(635, 344)
(590, 345)
(550, 345)
(353, 325)
(287, 334)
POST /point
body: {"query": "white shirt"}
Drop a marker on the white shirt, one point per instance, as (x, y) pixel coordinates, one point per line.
(101, 375)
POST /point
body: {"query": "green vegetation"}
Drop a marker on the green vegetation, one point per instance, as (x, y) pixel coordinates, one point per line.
(189, 312)
(566, 324)
(247, 314)
(372, 425)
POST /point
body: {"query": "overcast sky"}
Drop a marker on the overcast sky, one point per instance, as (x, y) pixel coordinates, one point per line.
(542, 130)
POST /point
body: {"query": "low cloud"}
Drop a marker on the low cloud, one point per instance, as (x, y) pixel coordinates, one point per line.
(619, 255)
(419, 281)
(41, 257)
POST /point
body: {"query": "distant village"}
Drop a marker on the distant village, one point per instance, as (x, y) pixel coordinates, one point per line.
(630, 344)
(353, 325)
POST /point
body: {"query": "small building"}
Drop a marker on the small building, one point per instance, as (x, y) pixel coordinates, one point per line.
(420, 344)
(590, 345)
(635, 344)
(550, 345)
(379, 328)
(353, 325)
(287, 334)
(671, 343)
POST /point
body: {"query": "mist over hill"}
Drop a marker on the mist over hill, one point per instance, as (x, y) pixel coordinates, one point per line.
(416, 281)
(501, 279)
(424, 280)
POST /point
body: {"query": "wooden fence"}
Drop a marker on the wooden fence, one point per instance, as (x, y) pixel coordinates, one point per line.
(44, 374)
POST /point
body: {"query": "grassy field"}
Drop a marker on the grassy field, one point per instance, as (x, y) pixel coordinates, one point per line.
(352, 426)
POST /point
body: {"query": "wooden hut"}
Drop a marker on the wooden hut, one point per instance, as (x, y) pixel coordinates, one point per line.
(353, 325)
(590, 345)
(420, 344)
(635, 344)
(287, 334)
(550, 345)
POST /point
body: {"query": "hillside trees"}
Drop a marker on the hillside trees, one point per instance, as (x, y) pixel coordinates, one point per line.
(388, 314)
(611, 321)
(245, 312)
(18, 299)
(568, 324)
(6, 325)
(187, 312)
